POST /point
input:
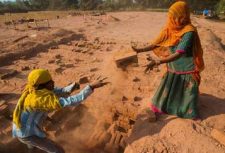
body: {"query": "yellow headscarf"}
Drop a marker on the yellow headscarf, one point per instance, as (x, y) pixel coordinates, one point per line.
(36, 100)
(178, 24)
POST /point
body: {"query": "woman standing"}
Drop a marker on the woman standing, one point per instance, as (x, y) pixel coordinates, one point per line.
(179, 88)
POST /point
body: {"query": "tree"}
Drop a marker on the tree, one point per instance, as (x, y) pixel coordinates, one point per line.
(71, 3)
(89, 4)
(125, 3)
(39, 4)
(220, 7)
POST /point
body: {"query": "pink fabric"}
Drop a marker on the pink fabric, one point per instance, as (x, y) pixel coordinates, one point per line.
(180, 51)
(155, 109)
(179, 72)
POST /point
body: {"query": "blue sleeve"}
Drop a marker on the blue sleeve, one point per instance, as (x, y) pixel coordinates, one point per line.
(67, 89)
(76, 99)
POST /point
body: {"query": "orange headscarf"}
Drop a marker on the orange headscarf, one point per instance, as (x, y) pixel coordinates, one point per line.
(178, 24)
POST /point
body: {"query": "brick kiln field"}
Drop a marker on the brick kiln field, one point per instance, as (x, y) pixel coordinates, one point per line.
(82, 48)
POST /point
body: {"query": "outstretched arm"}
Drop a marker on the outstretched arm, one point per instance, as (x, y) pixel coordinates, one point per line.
(144, 49)
(66, 90)
(82, 95)
(184, 47)
(168, 59)
(76, 99)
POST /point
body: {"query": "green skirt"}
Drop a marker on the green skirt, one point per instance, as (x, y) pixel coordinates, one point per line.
(177, 95)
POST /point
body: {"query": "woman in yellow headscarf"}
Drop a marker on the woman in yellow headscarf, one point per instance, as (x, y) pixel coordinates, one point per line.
(39, 98)
(178, 91)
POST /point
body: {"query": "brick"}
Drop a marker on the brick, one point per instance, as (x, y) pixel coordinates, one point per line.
(122, 130)
(2, 102)
(68, 65)
(98, 136)
(4, 109)
(124, 98)
(112, 140)
(7, 130)
(58, 56)
(93, 69)
(55, 47)
(8, 74)
(136, 98)
(105, 137)
(123, 143)
(218, 135)
(118, 138)
(81, 44)
(136, 79)
(125, 57)
(25, 68)
(58, 70)
(112, 128)
(125, 125)
(51, 61)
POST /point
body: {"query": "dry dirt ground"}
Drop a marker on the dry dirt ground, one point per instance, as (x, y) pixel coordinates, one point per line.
(76, 47)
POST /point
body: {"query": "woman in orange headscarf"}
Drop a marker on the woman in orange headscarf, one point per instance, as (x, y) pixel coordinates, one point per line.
(178, 91)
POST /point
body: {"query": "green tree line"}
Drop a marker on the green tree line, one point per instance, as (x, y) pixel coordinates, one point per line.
(28, 5)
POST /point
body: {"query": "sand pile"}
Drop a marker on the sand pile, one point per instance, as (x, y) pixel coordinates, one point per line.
(176, 136)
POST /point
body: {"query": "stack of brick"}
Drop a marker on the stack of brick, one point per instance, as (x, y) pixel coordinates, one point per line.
(121, 119)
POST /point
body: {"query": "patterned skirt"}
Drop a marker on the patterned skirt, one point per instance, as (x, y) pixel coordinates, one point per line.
(177, 95)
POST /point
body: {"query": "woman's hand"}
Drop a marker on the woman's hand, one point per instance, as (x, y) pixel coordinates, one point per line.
(144, 49)
(151, 65)
(136, 49)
